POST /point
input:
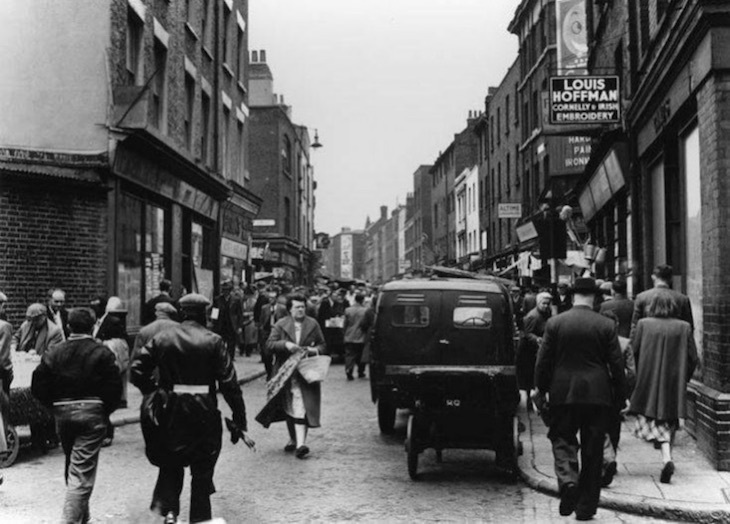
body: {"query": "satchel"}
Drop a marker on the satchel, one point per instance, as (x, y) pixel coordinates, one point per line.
(314, 369)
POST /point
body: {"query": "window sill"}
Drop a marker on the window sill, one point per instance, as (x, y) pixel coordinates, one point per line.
(191, 31)
(227, 70)
(207, 53)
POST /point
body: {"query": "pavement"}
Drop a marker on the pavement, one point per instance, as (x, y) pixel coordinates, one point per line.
(697, 492)
(247, 369)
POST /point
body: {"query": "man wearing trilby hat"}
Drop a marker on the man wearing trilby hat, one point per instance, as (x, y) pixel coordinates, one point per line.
(180, 420)
(579, 374)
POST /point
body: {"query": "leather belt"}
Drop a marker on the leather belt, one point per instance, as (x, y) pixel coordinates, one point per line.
(78, 401)
(190, 389)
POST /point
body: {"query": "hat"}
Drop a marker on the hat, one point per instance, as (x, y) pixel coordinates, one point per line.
(165, 307)
(36, 310)
(115, 305)
(585, 286)
(193, 301)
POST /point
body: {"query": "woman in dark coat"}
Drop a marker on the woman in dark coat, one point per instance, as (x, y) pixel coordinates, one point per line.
(666, 356)
(289, 397)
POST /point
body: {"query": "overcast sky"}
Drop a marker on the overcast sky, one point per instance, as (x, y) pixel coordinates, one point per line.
(386, 82)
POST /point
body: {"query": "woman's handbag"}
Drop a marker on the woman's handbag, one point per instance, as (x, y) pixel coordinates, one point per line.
(314, 369)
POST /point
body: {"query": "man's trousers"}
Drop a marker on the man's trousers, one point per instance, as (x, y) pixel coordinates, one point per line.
(81, 429)
(565, 423)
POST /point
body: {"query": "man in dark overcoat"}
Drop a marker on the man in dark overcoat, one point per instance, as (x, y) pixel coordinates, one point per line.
(180, 420)
(622, 306)
(579, 372)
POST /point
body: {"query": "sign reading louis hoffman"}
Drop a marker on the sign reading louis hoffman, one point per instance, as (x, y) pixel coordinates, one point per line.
(584, 99)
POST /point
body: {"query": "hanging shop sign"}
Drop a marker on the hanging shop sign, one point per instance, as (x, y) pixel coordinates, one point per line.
(509, 210)
(584, 99)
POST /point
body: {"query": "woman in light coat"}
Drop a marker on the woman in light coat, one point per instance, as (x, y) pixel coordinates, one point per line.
(665, 354)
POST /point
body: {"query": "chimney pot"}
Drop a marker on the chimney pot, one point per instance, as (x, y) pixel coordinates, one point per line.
(263, 56)
(254, 56)
(383, 211)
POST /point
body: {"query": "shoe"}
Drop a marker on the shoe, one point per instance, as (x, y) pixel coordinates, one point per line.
(667, 472)
(290, 447)
(170, 518)
(350, 377)
(302, 451)
(584, 516)
(361, 375)
(568, 499)
(608, 474)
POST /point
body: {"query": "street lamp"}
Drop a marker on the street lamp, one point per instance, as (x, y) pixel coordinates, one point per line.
(316, 144)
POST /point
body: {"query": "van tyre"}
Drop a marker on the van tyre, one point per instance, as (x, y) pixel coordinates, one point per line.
(412, 449)
(386, 416)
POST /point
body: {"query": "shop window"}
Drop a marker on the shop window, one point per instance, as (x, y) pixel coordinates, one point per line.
(143, 252)
(693, 229)
(202, 254)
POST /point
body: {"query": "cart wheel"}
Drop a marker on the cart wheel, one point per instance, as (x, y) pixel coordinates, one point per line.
(412, 450)
(516, 437)
(7, 458)
(386, 416)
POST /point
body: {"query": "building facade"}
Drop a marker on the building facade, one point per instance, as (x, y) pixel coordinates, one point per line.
(283, 175)
(136, 171)
(345, 257)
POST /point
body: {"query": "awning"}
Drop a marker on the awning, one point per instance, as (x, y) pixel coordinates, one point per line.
(606, 180)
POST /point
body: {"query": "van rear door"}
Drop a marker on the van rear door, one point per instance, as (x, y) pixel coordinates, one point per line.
(473, 328)
(409, 324)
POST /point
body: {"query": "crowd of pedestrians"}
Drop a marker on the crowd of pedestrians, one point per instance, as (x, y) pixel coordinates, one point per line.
(591, 359)
(181, 355)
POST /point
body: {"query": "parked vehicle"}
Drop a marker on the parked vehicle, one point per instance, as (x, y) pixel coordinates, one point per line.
(444, 349)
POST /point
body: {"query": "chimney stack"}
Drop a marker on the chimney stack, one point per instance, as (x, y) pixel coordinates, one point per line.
(384, 212)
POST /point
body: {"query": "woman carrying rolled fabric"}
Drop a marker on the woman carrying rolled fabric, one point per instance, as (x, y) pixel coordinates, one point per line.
(666, 356)
(289, 396)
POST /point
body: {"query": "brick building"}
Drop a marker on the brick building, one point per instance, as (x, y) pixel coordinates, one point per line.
(460, 154)
(119, 161)
(422, 241)
(283, 175)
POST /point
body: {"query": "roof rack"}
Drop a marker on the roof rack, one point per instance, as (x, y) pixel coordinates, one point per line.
(450, 272)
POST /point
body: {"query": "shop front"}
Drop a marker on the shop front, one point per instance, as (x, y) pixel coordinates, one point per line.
(164, 214)
(237, 234)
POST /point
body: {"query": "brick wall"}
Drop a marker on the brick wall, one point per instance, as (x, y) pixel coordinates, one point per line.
(53, 234)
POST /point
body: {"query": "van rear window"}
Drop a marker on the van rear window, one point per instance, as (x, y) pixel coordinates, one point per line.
(411, 315)
(472, 317)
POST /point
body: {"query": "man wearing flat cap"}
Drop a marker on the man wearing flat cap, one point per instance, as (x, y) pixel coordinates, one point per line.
(37, 333)
(579, 374)
(177, 372)
(165, 315)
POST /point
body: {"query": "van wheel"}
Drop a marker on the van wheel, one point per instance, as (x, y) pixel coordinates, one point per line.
(412, 449)
(386, 416)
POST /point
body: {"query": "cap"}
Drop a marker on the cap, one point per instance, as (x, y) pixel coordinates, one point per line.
(115, 305)
(165, 307)
(544, 295)
(193, 300)
(36, 310)
(585, 286)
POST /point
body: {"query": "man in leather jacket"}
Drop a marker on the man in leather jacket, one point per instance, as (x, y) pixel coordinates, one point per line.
(180, 420)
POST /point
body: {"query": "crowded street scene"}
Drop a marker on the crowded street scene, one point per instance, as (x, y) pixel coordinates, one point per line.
(364, 261)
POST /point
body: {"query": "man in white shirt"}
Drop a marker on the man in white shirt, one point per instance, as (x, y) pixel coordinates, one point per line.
(57, 310)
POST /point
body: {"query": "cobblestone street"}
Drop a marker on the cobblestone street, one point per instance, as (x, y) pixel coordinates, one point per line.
(353, 474)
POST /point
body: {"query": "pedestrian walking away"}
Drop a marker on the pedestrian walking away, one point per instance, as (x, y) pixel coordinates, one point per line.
(355, 337)
(289, 397)
(579, 376)
(534, 326)
(79, 380)
(180, 420)
(666, 356)
(662, 278)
